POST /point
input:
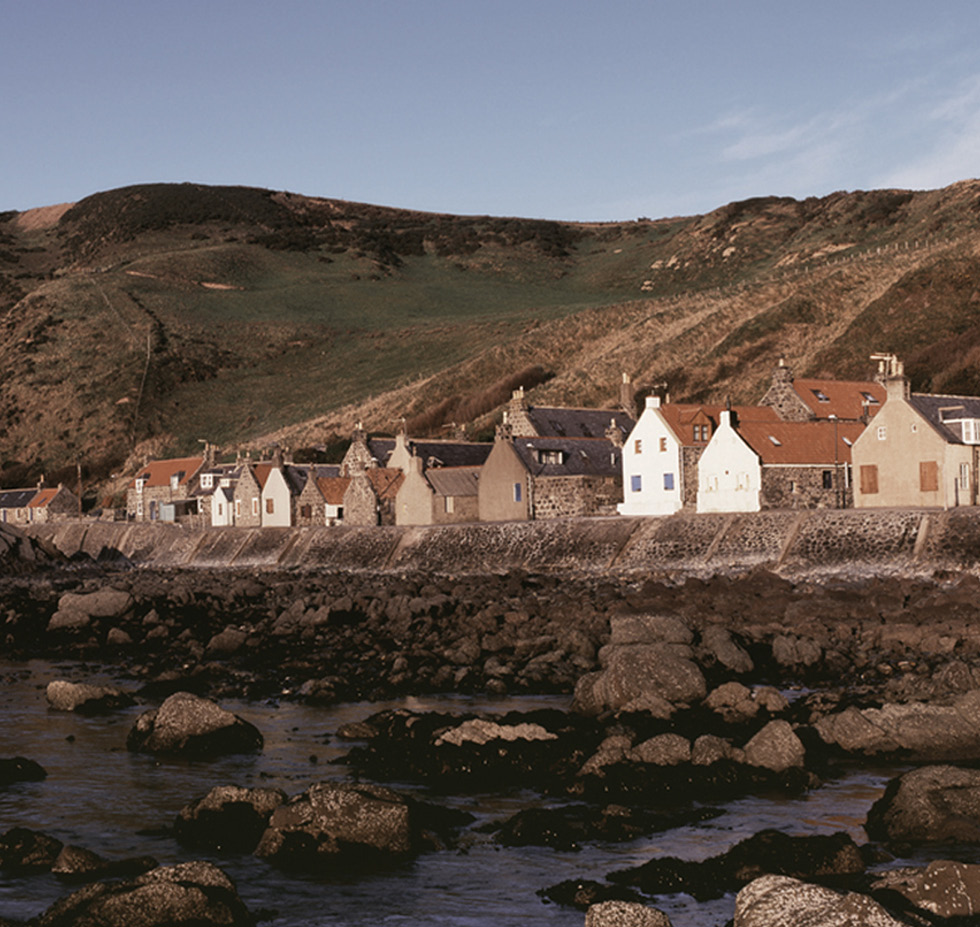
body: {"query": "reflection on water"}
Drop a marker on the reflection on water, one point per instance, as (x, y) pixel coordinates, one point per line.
(99, 796)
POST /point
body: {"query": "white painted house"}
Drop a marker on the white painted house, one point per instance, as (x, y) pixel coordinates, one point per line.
(729, 472)
(276, 500)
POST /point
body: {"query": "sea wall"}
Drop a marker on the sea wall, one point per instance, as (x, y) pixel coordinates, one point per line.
(902, 540)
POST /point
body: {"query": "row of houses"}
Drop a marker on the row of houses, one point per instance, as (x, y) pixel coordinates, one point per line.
(800, 447)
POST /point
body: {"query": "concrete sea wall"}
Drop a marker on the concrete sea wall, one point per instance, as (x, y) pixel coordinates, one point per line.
(902, 540)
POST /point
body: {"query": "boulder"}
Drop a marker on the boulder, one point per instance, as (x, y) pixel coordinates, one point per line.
(192, 726)
(773, 900)
(20, 769)
(80, 864)
(624, 914)
(634, 670)
(948, 889)
(331, 823)
(920, 731)
(226, 642)
(85, 699)
(195, 894)
(481, 731)
(76, 610)
(662, 750)
(717, 644)
(709, 749)
(775, 747)
(25, 850)
(229, 818)
(791, 651)
(934, 804)
(733, 702)
(648, 629)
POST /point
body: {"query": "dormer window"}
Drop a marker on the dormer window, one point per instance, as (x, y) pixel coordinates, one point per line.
(207, 481)
(550, 457)
(140, 483)
(869, 398)
(174, 480)
(701, 433)
(821, 395)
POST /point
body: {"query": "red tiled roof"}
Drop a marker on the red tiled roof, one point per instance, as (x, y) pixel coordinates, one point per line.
(332, 488)
(681, 417)
(386, 481)
(43, 497)
(800, 442)
(158, 472)
(843, 398)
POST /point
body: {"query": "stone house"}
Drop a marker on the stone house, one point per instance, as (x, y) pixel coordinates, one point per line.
(53, 504)
(369, 498)
(321, 500)
(753, 465)
(527, 478)
(920, 450)
(163, 490)
(662, 452)
(803, 400)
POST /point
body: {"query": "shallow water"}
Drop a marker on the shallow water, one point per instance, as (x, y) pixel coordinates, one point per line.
(99, 796)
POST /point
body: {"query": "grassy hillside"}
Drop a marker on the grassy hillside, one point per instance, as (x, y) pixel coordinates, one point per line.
(144, 319)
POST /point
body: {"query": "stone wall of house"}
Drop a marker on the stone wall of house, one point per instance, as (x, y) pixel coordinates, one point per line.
(570, 496)
(689, 467)
(803, 488)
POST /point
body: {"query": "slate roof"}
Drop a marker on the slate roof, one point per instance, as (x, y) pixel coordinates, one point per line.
(801, 443)
(939, 411)
(454, 481)
(380, 449)
(158, 472)
(843, 398)
(588, 456)
(682, 416)
(450, 453)
(577, 423)
(16, 498)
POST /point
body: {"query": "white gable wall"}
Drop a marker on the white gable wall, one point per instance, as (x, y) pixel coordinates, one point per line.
(651, 466)
(729, 473)
(222, 507)
(276, 508)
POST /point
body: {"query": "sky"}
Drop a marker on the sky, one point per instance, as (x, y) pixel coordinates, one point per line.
(556, 109)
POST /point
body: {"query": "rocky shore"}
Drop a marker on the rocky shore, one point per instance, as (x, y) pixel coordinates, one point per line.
(684, 692)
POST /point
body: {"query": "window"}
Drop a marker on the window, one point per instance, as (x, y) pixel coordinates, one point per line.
(518, 494)
(221, 510)
(869, 479)
(306, 511)
(207, 481)
(638, 446)
(174, 481)
(869, 398)
(668, 481)
(270, 506)
(636, 483)
(700, 433)
(964, 476)
(663, 445)
(793, 487)
(450, 505)
(550, 457)
(882, 433)
(140, 483)
(238, 508)
(928, 476)
(821, 395)
(139, 508)
(828, 479)
(255, 506)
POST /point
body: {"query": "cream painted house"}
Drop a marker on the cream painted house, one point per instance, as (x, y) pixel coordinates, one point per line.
(920, 449)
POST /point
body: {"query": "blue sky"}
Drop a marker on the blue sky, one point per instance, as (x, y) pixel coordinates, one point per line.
(562, 109)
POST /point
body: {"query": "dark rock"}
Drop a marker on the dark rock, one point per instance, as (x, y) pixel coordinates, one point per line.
(192, 726)
(330, 824)
(582, 893)
(195, 894)
(934, 804)
(228, 818)
(20, 769)
(25, 850)
(775, 747)
(767, 852)
(944, 888)
(79, 864)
